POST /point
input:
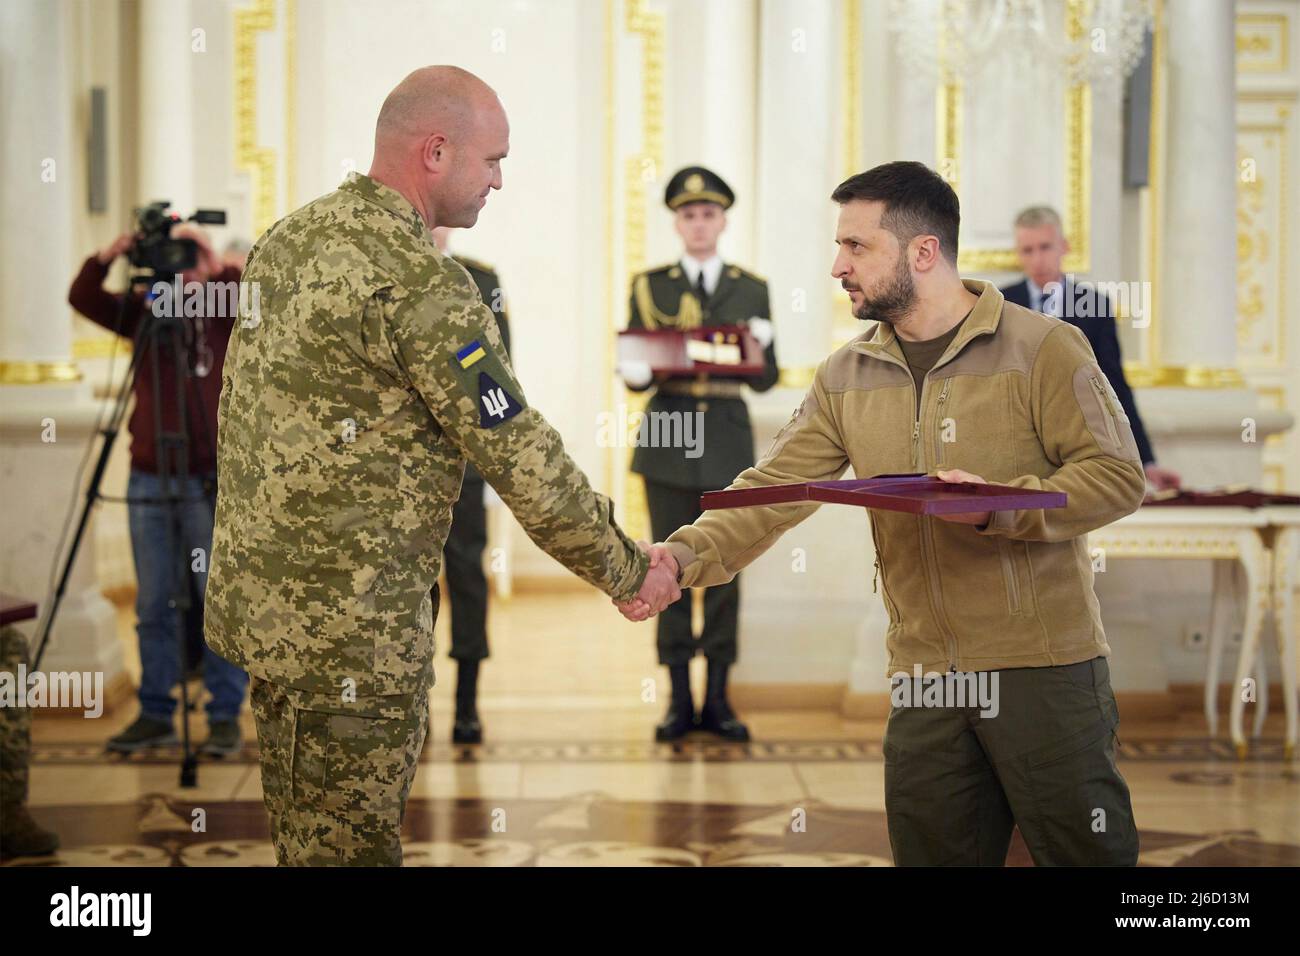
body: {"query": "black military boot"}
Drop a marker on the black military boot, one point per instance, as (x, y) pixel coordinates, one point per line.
(467, 729)
(680, 719)
(716, 716)
(20, 835)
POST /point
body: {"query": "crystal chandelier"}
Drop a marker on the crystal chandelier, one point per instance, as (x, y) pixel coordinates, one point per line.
(1086, 41)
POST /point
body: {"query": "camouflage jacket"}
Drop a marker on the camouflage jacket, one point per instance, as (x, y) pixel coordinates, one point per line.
(352, 398)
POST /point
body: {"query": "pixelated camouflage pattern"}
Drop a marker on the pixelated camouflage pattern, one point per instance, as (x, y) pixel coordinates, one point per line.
(15, 725)
(335, 776)
(344, 427)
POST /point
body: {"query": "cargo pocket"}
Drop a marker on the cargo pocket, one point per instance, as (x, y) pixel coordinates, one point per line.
(1108, 410)
(310, 760)
(1082, 811)
(1102, 413)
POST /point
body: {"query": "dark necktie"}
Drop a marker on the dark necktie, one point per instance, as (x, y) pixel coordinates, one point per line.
(700, 293)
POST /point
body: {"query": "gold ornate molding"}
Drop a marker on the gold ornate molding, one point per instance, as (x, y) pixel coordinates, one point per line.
(100, 347)
(1152, 198)
(612, 292)
(638, 168)
(799, 376)
(38, 373)
(1257, 244)
(260, 162)
(1263, 43)
(290, 104)
(851, 15)
(1182, 376)
(1076, 216)
(1118, 544)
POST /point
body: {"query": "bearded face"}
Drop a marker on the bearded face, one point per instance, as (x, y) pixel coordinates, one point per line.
(890, 298)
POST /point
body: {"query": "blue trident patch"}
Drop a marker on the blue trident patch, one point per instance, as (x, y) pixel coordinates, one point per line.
(496, 405)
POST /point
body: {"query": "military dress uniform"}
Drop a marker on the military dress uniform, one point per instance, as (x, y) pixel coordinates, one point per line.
(665, 298)
(368, 373)
(467, 586)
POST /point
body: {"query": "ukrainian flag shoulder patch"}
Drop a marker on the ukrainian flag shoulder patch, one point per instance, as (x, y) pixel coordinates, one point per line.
(470, 354)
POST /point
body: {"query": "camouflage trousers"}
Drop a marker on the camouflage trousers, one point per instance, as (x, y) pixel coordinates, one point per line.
(15, 724)
(336, 774)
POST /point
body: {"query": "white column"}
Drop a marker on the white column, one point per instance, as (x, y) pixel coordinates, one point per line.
(713, 105)
(38, 185)
(804, 603)
(797, 169)
(166, 96)
(1199, 287)
(1199, 431)
(45, 423)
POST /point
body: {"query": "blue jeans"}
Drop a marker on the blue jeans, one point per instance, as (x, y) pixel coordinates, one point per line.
(155, 568)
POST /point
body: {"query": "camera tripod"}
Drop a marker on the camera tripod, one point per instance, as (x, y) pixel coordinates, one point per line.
(159, 338)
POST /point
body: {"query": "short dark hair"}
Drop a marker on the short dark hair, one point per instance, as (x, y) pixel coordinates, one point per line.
(918, 202)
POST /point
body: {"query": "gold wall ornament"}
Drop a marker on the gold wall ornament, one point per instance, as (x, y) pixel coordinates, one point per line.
(799, 376)
(1264, 218)
(1275, 396)
(1182, 376)
(850, 117)
(100, 346)
(1152, 196)
(638, 169)
(1263, 43)
(851, 111)
(260, 162)
(290, 104)
(1254, 252)
(1265, 273)
(38, 373)
(613, 295)
(1275, 478)
(1076, 216)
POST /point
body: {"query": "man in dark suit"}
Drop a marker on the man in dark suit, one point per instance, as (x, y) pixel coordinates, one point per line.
(698, 290)
(1041, 246)
(467, 585)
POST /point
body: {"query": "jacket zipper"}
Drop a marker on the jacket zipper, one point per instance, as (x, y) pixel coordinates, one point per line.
(927, 541)
(927, 532)
(938, 422)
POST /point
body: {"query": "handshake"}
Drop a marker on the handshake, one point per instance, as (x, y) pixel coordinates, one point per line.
(658, 590)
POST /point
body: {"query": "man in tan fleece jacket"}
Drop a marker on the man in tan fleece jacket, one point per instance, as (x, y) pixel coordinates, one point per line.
(953, 381)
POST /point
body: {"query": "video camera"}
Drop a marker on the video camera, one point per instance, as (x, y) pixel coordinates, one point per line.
(156, 250)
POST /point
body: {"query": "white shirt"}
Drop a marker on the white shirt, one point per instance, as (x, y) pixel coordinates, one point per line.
(1047, 304)
(712, 271)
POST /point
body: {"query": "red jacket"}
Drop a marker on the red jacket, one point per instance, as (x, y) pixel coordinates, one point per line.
(89, 297)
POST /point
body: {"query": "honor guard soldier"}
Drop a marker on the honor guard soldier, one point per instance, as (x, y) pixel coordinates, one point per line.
(698, 290)
(462, 555)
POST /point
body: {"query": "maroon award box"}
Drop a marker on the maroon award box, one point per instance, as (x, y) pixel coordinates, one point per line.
(1220, 498)
(712, 350)
(14, 609)
(913, 494)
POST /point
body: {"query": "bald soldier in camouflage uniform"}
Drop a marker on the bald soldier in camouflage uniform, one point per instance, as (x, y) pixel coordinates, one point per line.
(350, 405)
